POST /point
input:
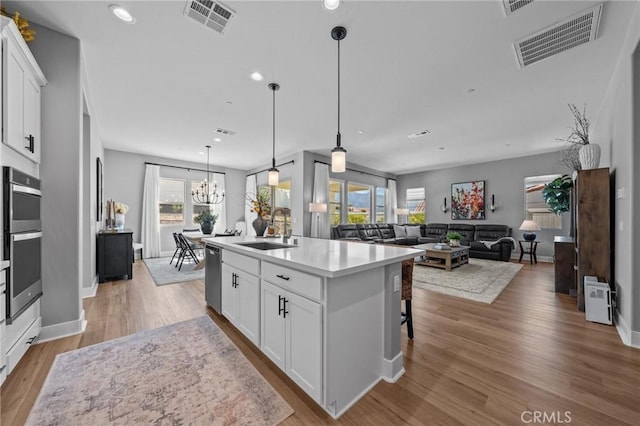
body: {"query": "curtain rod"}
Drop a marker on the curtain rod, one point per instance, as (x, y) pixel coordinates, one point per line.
(357, 171)
(278, 165)
(184, 168)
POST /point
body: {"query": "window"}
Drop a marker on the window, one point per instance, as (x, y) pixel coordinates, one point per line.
(197, 208)
(282, 206)
(171, 201)
(415, 204)
(359, 203)
(380, 202)
(335, 202)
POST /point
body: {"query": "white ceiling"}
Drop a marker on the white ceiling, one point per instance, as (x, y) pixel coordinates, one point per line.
(161, 86)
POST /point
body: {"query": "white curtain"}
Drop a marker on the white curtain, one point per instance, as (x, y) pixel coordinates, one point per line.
(320, 222)
(220, 209)
(251, 188)
(150, 234)
(392, 202)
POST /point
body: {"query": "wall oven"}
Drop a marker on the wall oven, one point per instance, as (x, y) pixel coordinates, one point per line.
(22, 240)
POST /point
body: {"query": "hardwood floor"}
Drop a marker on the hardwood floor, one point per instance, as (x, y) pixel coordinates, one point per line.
(469, 363)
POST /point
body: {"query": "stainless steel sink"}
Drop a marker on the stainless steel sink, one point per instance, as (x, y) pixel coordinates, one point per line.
(264, 245)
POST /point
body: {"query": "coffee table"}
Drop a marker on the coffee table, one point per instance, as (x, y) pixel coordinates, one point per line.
(445, 259)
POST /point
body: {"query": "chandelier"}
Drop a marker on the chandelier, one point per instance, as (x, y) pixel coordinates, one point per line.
(205, 193)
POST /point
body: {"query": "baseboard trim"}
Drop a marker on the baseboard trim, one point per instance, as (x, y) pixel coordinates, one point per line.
(628, 336)
(90, 291)
(65, 329)
(525, 258)
(392, 369)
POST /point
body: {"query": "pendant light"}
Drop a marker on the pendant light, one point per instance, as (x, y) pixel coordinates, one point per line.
(338, 154)
(273, 171)
(204, 193)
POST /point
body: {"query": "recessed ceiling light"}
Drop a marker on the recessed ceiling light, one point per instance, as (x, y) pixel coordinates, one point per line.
(441, 148)
(257, 76)
(471, 90)
(217, 140)
(418, 134)
(200, 153)
(331, 4)
(122, 14)
(361, 132)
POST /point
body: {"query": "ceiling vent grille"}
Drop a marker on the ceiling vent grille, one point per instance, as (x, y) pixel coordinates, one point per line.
(225, 132)
(211, 14)
(574, 31)
(511, 6)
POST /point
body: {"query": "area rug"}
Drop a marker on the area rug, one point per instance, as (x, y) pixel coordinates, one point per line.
(480, 280)
(188, 373)
(164, 273)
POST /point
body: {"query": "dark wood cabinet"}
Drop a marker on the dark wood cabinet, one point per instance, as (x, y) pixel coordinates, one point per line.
(564, 249)
(592, 221)
(115, 255)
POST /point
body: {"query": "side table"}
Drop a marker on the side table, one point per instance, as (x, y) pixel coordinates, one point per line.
(532, 247)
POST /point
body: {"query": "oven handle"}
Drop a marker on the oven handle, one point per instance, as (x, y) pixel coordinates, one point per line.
(28, 236)
(25, 190)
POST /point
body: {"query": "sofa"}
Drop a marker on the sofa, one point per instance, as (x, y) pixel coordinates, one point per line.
(484, 241)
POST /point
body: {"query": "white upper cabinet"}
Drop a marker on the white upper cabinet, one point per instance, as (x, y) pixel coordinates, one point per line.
(22, 79)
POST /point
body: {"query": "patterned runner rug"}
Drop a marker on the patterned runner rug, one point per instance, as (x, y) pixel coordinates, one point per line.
(480, 280)
(188, 373)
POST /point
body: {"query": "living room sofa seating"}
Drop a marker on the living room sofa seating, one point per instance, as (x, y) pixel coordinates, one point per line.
(484, 241)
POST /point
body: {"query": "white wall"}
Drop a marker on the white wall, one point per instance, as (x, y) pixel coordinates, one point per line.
(504, 178)
(617, 130)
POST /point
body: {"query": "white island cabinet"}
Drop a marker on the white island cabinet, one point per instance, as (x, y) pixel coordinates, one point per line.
(328, 311)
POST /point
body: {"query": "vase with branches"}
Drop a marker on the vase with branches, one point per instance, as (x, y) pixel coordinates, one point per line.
(579, 152)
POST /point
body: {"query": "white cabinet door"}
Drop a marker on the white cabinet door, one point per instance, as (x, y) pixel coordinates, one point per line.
(304, 343)
(32, 119)
(13, 102)
(230, 304)
(273, 323)
(248, 289)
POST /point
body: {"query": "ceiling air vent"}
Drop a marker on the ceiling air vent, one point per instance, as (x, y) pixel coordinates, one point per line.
(211, 14)
(571, 32)
(225, 132)
(511, 6)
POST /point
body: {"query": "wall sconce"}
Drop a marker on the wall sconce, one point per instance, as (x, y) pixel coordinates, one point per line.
(444, 207)
(492, 206)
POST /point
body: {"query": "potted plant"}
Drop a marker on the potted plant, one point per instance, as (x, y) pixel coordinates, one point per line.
(557, 194)
(206, 219)
(454, 238)
(580, 153)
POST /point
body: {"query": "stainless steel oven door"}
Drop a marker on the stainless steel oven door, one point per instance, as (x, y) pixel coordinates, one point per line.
(25, 277)
(24, 209)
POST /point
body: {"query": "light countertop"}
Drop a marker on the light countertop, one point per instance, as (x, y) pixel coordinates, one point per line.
(328, 258)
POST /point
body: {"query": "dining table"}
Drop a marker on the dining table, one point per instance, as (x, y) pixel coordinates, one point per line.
(195, 237)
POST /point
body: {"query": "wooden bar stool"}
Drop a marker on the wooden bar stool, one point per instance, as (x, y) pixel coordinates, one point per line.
(407, 283)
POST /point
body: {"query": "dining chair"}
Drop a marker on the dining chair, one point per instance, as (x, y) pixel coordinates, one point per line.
(187, 251)
(178, 249)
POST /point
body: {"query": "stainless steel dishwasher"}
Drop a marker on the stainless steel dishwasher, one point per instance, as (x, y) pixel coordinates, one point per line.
(213, 278)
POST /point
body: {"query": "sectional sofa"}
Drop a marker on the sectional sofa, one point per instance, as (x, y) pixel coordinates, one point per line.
(485, 241)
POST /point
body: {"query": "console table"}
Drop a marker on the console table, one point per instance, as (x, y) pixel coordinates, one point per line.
(115, 254)
(532, 246)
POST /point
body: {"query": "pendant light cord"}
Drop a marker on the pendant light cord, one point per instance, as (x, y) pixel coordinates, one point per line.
(338, 91)
(273, 157)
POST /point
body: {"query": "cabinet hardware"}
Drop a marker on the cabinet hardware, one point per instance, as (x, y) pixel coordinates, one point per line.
(29, 147)
(280, 307)
(234, 280)
(284, 307)
(284, 277)
(30, 341)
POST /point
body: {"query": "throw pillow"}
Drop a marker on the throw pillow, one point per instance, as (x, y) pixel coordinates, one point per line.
(413, 231)
(399, 231)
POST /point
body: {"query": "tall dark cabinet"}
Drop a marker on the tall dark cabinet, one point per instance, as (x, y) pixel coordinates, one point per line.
(592, 221)
(115, 255)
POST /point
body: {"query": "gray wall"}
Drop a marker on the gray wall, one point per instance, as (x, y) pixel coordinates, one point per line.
(124, 182)
(504, 178)
(617, 130)
(62, 174)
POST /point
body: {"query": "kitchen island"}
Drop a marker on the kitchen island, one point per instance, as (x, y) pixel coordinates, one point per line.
(326, 312)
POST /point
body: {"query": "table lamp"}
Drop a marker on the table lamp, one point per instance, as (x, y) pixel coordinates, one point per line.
(317, 208)
(529, 226)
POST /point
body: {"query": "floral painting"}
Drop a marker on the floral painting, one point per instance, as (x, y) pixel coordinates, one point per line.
(467, 200)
